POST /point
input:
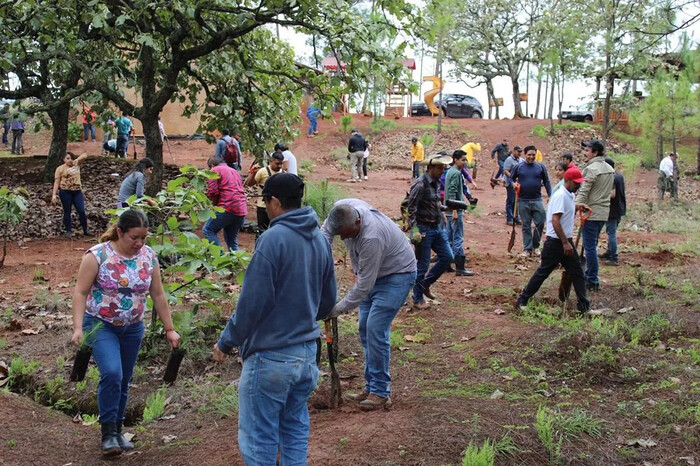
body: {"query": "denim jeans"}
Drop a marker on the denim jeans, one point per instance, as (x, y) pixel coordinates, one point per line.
(377, 311)
(313, 125)
(455, 233)
(69, 199)
(115, 350)
(231, 224)
(532, 210)
(89, 129)
(17, 145)
(435, 239)
(500, 169)
(6, 130)
(510, 204)
(122, 145)
(611, 230)
(273, 391)
(416, 169)
(591, 230)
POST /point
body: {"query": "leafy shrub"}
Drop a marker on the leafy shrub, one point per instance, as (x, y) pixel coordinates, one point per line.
(427, 140)
(539, 131)
(321, 195)
(346, 122)
(75, 132)
(155, 406)
(381, 124)
(12, 209)
(601, 357)
(479, 456)
(544, 423)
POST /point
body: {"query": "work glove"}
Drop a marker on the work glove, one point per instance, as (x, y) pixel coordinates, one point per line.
(335, 313)
(416, 237)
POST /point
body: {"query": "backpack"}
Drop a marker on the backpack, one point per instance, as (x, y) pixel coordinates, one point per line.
(231, 152)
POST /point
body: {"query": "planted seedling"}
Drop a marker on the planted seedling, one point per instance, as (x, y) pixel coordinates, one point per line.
(82, 356)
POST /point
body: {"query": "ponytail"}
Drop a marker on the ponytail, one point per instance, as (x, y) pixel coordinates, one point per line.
(129, 219)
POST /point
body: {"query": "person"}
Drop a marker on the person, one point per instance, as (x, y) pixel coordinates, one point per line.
(288, 286)
(17, 127)
(499, 154)
(365, 156)
(385, 266)
(107, 136)
(258, 176)
(618, 208)
(513, 159)
(135, 182)
(558, 246)
(472, 149)
(290, 161)
(417, 156)
(594, 195)
(559, 169)
(356, 150)
(124, 130)
(424, 218)
(312, 113)
(454, 190)
(227, 149)
(5, 117)
(568, 160)
(68, 188)
(109, 147)
(110, 290)
(237, 142)
(89, 118)
(227, 192)
(666, 179)
(529, 177)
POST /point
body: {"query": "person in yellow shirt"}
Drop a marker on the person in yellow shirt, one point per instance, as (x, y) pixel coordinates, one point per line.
(417, 155)
(538, 156)
(472, 149)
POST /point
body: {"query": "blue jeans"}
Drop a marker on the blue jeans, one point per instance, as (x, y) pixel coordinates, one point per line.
(455, 233)
(500, 169)
(510, 204)
(435, 239)
(313, 125)
(115, 350)
(377, 311)
(532, 210)
(122, 145)
(69, 199)
(591, 230)
(6, 130)
(89, 129)
(272, 395)
(416, 169)
(230, 223)
(611, 230)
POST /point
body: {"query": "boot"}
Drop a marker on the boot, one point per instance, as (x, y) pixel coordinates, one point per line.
(123, 442)
(459, 264)
(450, 269)
(110, 444)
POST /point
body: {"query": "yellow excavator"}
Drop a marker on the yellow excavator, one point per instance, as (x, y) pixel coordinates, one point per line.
(429, 96)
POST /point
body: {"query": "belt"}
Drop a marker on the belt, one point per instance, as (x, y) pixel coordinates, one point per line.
(557, 238)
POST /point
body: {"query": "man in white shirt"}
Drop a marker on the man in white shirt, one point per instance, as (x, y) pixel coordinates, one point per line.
(667, 180)
(558, 247)
(290, 161)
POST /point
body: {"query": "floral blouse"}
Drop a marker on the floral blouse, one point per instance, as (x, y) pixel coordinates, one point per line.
(118, 294)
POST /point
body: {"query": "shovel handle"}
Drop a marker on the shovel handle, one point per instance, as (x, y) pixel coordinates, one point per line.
(329, 334)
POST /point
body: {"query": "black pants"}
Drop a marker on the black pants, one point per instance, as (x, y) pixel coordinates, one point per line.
(263, 219)
(552, 256)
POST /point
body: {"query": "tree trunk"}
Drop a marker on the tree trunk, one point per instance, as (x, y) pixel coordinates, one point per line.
(492, 97)
(518, 113)
(439, 75)
(698, 158)
(59, 140)
(659, 148)
(609, 88)
(539, 89)
(551, 102)
(544, 101)
(154, 151)
(560, 96)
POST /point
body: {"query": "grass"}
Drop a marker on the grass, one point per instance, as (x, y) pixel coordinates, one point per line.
(396, 339)
(155, 406)
(225, 405)
(321, 195)
(544, 424)
(687, 154)
(479, 456)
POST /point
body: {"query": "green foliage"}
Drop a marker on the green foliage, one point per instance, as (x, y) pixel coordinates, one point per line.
(155, 406)
(600, 357)
(396, 339)
(88, 336)
(20, 372)
(479, 456)
(12, 207)
(321, 195)
(427, 140)
(540, 131)
(544, 424)
(381, 124)
(225, 405)
(346, 123)
(75, 132)
(471, 362)
(93, 375)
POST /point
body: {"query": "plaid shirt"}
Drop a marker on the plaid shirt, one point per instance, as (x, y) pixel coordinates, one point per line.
(227, 191)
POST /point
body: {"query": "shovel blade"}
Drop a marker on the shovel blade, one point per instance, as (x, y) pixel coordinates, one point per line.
(511, 243)
(336, 393)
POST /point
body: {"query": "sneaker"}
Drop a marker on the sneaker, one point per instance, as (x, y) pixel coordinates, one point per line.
(375, 402)
(537, 252)
(420, 306)
(464, 273)
(612, 263)
(352, 180)
(362, 396)
(366, 178)
(525, 254)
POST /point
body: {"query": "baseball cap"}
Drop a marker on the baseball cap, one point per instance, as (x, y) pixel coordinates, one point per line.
(594, 144)
(517, 148)
(414, 139)
(280, 146)
(575, 175)
(283, 185)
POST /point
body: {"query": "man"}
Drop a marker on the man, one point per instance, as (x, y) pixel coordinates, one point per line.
(107, 137)
(5, 118)
(594, 195)
(499, 153)
(109, 147)
(666, 179)
(236, 137)
(228, 193)
(312, 113)
(258, 176)
(472, 149)
(558, 247)
(227, 149)
(290, 161)
(89, 118)
(424, 218)
(385, 266)
(356, 150)
(124, 129)
(17, 127)
(288, 286)
(454, 190)
(508, 165)
(417, 156)
(529, 177)
(568, 159)
(618, 208)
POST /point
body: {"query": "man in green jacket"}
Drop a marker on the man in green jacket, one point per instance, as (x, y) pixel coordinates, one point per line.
(594, 195)
(454, 190)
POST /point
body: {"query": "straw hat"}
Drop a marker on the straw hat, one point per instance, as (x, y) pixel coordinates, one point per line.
(437, 160)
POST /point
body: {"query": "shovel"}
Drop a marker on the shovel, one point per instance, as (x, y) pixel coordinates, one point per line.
(511, 243)
(335, 378)
(565, 283)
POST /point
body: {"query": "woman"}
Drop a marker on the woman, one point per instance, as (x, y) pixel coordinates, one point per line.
(364, 159)
(559, 170)
(135, 181)
(111, 287)
(67, 185)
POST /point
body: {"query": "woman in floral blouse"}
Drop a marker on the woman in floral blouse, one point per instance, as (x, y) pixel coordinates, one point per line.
(111, 288)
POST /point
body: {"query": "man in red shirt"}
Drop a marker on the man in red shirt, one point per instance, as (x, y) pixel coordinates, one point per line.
(228, 193)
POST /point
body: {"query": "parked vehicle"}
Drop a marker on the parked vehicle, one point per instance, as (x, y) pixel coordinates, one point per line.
(452, 105)
(583, 112)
